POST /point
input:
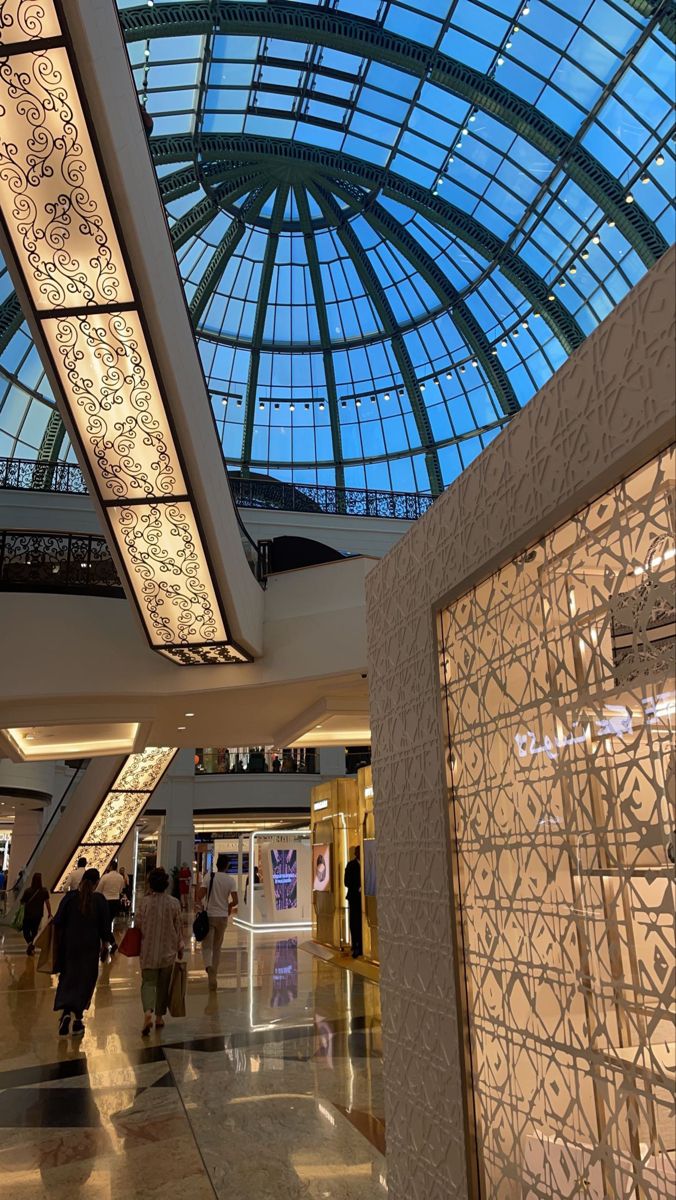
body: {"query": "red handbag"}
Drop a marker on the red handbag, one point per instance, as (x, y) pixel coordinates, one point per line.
(131, 942)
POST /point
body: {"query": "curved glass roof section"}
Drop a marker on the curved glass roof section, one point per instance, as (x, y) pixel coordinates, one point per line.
(394, 219)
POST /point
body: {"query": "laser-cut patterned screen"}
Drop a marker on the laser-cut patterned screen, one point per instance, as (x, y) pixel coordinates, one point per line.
(558, 682)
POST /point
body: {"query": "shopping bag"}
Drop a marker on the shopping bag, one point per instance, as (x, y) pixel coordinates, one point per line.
(131, 942)
(17, 922)
(45, 942)
(177, 985)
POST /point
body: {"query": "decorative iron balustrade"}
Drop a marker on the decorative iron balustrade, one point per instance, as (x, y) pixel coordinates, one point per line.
(57, 562)
(320, 498)
(30, 475)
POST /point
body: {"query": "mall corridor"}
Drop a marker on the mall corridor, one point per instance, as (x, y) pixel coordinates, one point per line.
(269, 1087)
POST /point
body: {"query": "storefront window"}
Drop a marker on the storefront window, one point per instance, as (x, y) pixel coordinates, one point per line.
(558, 682)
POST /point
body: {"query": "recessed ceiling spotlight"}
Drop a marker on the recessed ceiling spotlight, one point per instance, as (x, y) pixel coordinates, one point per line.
(387, 395)
(422, 387)
(465, 132)
(611, 224)
(343, 404)
(525, 11)
(276, 406)
(475, 363)
(659, 161)
(261, 405)
(494, 351)
(358, 403)
(224, 400)
(596, 239)
(462, 370)
(508, 46)
(572, 270)
(181, 728)
(307, 407)
(373, 399)
(500, 61)
(550, 297)
(524, 324)
(473, 117)
(562, 283)
(239, 403)
(515, 333)
(503, 342)
(188, 714)
(400, 391)
(536, 314)
(449, 374)
(645, 179)
(584, 255)
(450, 160)
(436, 381)
(292, 408)
(435, 192)
(321, 406)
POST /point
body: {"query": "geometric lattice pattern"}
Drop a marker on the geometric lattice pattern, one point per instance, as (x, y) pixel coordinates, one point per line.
(558, 682)
(121, 806)
(607, 411)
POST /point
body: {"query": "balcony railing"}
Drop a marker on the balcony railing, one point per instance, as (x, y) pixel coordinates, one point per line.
(30, 475)
(57, 562)
(318, 498)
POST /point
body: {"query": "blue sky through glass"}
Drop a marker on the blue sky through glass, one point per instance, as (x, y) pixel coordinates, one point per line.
(363, 321)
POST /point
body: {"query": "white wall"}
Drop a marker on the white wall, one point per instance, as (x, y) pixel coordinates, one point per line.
(75, 514)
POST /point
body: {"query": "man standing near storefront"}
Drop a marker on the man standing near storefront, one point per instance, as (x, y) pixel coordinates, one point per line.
(353, 885)
(217, 894)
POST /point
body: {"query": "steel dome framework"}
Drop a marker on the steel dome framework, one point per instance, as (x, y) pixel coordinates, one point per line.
(394, 220)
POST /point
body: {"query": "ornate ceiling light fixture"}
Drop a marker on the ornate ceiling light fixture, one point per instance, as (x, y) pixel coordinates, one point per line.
(68, 257)
(120, 808)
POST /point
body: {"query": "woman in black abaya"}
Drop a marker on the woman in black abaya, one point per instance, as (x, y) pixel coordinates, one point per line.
(81, 927)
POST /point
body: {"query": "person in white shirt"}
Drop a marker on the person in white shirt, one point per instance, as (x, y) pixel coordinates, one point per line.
(110, 886)
(218, 895)
(75, 878)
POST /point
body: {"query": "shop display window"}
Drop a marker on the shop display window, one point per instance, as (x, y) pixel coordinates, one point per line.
(559, 692)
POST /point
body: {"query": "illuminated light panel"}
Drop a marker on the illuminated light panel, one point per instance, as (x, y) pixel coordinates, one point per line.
(104, 368)
(61, 229)
(51, 191)
(120, 808)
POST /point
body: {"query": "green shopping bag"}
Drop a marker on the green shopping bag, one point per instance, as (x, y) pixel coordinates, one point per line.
(17, 922)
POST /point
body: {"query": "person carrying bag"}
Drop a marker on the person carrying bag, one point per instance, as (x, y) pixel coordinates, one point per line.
(159, 922)
(200, 926)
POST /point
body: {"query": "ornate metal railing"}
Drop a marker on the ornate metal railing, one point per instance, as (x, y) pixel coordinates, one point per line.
(320, 498)
(32, 476)
(57, 562)
(29, 475)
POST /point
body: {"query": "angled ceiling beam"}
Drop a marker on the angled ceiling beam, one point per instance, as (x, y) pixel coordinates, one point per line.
(259, 322)
(221, 149)
(11, 318)
(192, 222)
(323, 325)
(367, 39)
(376, 293)
(393, 231)
(225, 250)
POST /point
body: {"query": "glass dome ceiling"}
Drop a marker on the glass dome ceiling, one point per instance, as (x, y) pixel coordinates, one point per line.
(394, 219)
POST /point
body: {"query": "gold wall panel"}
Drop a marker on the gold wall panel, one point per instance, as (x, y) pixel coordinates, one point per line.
(558, 683)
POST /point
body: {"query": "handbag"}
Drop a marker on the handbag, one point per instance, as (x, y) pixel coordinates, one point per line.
(177, 986)
(45, 942)
(131, 942)
(200, 926)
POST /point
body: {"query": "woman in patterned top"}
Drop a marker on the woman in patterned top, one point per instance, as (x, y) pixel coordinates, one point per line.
(159, 919)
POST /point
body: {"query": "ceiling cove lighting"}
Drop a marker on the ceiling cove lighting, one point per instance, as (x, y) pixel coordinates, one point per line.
(120, 809)
(61, 233)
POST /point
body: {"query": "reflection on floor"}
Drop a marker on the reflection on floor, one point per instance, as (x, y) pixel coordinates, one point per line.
(270, 1087)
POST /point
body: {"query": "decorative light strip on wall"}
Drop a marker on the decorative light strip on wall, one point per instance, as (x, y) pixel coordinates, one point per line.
(60, 227)
(120, 808)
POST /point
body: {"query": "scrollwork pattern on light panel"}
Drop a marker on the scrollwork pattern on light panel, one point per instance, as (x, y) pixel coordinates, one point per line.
(214, 654)
(142, 771)
(50, 189)
(168, 571)
(120, 808)
(106, 370)
(27, 20)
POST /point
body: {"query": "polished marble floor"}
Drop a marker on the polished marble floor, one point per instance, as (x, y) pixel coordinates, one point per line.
(269, 1088)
